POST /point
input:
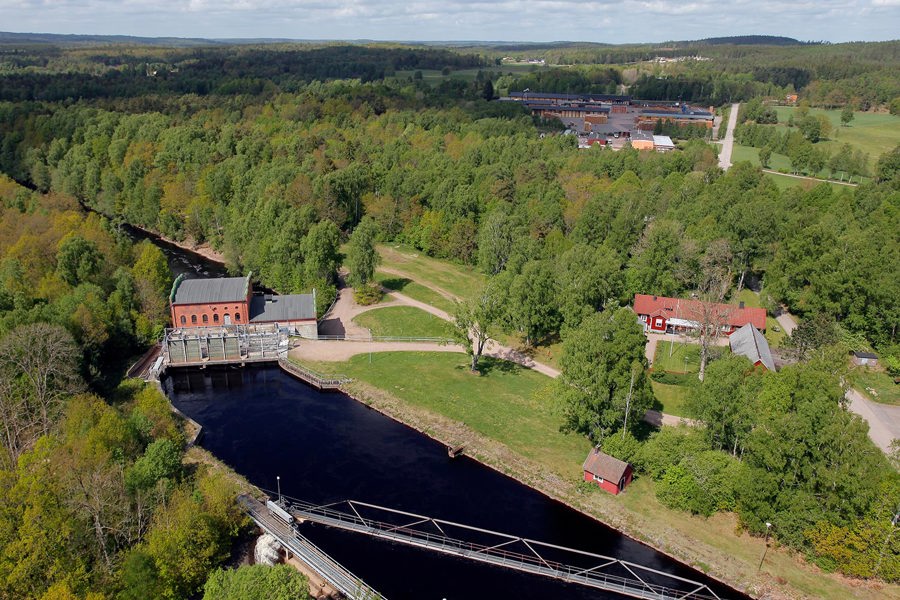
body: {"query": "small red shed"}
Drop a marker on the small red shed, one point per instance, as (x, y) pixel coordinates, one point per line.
(610, 473)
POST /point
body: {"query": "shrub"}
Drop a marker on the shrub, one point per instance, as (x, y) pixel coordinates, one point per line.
(367, 294)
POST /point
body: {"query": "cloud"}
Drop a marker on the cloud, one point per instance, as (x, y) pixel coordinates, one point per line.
(615, 21)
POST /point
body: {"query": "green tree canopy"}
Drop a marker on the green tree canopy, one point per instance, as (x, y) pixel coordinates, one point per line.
(603, 372)
(256, 582)
(362, 257)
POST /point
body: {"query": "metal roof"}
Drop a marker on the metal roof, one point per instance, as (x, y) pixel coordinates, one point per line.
(676, 115)
(663, 140)
(202, 291)
(293, 307)
(748, 341)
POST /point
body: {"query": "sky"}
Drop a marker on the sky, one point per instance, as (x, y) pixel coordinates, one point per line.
(610, 21)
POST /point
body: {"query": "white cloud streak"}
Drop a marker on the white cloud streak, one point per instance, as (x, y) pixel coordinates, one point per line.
(537, 20)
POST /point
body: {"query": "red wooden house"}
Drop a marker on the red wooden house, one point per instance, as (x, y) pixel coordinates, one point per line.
(674, 315)
(609, 473)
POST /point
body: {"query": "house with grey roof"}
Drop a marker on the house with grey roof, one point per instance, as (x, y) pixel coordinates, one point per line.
(748, 341)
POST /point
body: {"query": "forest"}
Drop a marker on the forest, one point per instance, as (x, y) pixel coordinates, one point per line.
(275, 156)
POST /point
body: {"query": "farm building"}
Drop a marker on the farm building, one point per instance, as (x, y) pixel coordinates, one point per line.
(609, 473)
(748, 341)
(230, 301)
(864, 359)
(675, 315)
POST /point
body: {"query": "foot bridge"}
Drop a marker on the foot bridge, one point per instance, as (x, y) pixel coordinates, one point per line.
(566, 564)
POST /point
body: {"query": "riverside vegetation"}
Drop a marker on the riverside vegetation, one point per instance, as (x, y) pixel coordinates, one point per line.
(276, 170)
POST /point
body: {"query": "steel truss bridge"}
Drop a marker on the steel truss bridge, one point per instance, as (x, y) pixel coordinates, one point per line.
(501, 549)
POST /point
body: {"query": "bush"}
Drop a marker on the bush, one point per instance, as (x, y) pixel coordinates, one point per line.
(367, 294)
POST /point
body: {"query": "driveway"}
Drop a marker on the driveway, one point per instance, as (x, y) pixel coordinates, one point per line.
(883, 419)
(787, 321)
(728, 140)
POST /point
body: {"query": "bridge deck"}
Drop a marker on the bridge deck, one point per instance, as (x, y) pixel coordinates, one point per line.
(342, 579)
(596, 576)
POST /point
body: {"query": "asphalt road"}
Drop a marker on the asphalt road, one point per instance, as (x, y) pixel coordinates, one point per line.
(728, 140)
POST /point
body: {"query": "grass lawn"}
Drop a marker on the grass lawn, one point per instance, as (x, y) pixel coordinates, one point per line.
(885, 390)
(414, 290)
(873, 133)
(501, 403)
(671, 397)
(675, 357)
(404, 321)
(780, 162)
(454, 279)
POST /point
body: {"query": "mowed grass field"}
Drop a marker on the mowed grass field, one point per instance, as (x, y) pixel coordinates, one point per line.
(780, 162)
(415, 291)
(404, 321)
(441, 275)
(503, 403)
(873, 133)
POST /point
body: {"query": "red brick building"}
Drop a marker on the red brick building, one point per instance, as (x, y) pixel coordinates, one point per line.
(675, 315)
(230, 301)
(609, 473)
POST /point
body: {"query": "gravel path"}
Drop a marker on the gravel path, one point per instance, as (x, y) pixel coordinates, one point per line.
(787, 321)
(883, 419)
(434, 288)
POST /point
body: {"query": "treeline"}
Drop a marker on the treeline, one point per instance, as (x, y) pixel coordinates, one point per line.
(97, 499)
(234, 70)
(780, 451)
(276, 186)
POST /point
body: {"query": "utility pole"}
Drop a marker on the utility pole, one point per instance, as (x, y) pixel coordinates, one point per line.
(628, 402)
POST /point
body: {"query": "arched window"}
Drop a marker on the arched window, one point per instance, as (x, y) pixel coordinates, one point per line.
(183, 320)
(237, 317)
(193, 319)
(205, 318)
(215, 317)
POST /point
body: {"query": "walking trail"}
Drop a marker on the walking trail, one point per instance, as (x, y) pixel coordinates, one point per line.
(339, 321)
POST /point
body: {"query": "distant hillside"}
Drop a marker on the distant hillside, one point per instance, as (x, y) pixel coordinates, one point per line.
(7, 37)
(746, 40)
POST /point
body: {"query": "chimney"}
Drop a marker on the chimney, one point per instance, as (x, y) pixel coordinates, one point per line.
(654, 297)
(741, 304)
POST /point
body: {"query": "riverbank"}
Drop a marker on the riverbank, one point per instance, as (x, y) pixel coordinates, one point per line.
(709, 545)
(204, 249)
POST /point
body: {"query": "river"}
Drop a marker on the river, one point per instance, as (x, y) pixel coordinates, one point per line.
(327, 447)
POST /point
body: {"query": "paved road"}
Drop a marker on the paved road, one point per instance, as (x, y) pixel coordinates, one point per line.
(728, 140)
(883, 420)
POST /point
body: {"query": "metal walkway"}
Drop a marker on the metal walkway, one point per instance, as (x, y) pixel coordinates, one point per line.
(539, 558)
(329, 569)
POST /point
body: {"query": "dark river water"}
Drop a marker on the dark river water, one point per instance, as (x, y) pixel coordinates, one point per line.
(327, 447)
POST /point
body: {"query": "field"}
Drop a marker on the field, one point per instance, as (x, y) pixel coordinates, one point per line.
(404, 321)
(416, 291)
(779, 162)
(873, 133)
(439, 275)
(503, 403)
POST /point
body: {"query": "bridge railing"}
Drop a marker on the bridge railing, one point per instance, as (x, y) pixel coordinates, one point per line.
(376, 338)
(318, 379)
(596, 575)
